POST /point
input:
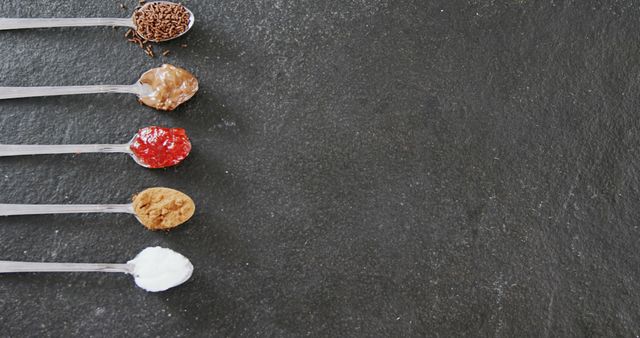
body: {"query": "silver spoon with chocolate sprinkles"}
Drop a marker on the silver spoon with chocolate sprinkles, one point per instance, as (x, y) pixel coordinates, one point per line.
(154, 21)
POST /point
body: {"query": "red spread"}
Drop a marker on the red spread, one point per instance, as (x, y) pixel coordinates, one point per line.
(158, 147)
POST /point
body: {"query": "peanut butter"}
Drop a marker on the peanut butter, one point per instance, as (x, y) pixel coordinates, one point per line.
(166, 87)
(162, 208)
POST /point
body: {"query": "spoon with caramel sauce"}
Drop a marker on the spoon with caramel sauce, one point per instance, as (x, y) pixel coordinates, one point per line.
(156, 208)
(162, 88)
(155, 21)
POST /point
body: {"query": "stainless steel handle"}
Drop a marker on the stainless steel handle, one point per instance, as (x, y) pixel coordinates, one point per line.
(10, 23)
(45, 209)
(12, 267)
(28, 149)
(19, 92)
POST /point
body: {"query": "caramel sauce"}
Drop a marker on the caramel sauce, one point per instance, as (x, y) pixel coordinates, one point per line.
(166, 87)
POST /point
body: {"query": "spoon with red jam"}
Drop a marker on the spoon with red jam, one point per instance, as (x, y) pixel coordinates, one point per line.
(151, 147)
(162, 88)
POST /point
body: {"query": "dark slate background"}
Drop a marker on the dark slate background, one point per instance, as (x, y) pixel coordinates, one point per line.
(361, 168)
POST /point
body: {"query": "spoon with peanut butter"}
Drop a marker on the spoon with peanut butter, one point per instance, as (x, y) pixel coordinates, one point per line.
(162, 88)
(156, 208)
(152, 147)
(155, 21)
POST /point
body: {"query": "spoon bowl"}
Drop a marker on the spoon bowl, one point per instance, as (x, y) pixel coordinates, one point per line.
(192, 20)
(157, 147)
(166, 87)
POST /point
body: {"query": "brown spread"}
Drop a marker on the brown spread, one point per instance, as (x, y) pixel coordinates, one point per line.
(167, 87)
(163, 208)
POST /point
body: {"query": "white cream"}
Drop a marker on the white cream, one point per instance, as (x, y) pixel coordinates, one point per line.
(158, 269)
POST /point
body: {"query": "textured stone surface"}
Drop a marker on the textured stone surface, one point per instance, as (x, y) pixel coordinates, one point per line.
(361, 168)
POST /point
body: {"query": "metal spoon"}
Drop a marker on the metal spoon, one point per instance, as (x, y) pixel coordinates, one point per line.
(9, 23)
(128, 268)
(49, 209)
(33, 149)
(142, 88)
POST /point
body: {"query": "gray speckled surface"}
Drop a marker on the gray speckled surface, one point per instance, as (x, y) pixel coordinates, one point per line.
(361, 168)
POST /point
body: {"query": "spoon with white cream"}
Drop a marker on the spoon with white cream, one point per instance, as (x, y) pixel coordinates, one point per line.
(154, 269)
(162, 88)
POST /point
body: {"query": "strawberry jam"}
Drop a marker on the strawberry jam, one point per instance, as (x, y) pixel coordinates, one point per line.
(158, 147)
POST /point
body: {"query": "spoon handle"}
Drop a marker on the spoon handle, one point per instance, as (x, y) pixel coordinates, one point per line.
(42, 209)
(9, 23)
(24, 149)
(19, 92)
(11, 266)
